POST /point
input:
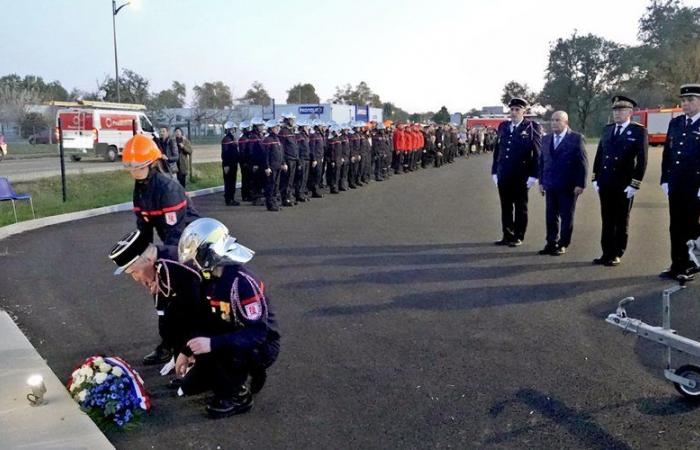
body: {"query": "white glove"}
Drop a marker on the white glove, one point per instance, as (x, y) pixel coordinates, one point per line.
(495, 179)
(531, 182)
(698, 193)
(664, 187)
(630, 191)
(597, 189)
(168, 367)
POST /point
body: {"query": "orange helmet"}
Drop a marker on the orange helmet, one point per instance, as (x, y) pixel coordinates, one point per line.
(140, 151)
(388, 123)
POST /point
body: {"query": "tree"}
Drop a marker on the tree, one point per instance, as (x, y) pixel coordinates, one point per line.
(214, 95)
(393, 112)
(473, 112)
(360, 95)
(514, 89)
(442, 116)
(303, 93)
(581, 73)
(14, 100)
(133, 88)
(169, 98)
(44, 91)
(256, 95)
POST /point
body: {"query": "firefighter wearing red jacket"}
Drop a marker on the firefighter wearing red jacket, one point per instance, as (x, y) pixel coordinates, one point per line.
(399, 148)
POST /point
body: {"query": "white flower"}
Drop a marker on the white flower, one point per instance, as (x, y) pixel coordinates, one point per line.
(117, 372)
(86, 371)
(104, 367)
(100, 377)
(97, 361)
(77, 381)
(81, 395)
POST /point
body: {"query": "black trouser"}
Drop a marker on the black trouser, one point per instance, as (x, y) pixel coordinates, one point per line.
(513, 195)
(246, 182)
(344, 169)
(684, 209)
(226, 371)
(365, 167)
(182, 178)
(302, 177)
(287, 179)
(354, 172)
(397, 161)
(615, 214)
(272, 187)
(333, 175)
(560, 206)
(258, 182)
(230, 182)
(315, 177)
(379, 167)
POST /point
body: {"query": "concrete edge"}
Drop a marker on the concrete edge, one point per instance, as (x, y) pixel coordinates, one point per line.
(59, 423)
(28, 225)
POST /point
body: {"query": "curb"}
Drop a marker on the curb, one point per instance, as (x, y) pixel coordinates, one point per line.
(21, 227)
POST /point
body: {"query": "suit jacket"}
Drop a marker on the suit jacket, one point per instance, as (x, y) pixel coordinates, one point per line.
(566, 166)
(680, 164)
(517, 154)
(621, 161)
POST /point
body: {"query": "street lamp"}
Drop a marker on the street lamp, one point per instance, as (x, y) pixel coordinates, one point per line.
(115, 11)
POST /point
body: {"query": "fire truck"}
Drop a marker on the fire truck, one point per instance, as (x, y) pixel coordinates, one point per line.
(656, 122)
(92, 128)
(484, 122)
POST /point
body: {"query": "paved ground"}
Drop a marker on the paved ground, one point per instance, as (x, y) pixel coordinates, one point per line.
(33, 168)
(403, 327)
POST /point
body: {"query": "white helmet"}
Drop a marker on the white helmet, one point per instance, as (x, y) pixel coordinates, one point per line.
(229, 125)
(257, 121)
(272, 123)
(244, 125)
(288, 116)
(206, 243)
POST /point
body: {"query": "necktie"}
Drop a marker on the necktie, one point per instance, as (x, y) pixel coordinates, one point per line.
(618, 130)
(557, 140)
(688, 122)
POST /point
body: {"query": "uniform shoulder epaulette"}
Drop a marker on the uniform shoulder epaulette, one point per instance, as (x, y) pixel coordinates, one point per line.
(637, 124)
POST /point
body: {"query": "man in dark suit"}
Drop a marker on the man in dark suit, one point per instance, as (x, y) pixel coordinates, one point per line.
(680, 180)
(618, 169)
(562, 172)
(514, 170)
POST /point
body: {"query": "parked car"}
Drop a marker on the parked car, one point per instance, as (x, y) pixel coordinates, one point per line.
(42, 137)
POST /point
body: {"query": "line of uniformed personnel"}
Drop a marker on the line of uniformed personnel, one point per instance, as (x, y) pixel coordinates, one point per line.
(286, 162)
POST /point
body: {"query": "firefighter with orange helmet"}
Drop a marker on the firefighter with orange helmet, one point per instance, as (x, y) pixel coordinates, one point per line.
(399, 148)
(160, 202)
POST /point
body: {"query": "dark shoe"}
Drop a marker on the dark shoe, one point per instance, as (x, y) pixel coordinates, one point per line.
(287, 203)
(160, 355)
(515, 243)
(257, 380)
(334, 191)
(175, 383)
(669, 274)
(613, 262)
(316, 195)
(503, 241)
(600, 261)
(224, 407)
(342, 189)
(233, 203)
(302, 199)
(547, 250)
(352, 186)
(559, 251)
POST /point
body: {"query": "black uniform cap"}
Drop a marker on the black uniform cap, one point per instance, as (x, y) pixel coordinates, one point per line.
(127, 250)
(517, 101)
(690, 90)
(620, 102)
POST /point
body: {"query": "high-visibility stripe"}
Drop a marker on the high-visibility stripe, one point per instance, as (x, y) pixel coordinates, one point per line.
(160, 212)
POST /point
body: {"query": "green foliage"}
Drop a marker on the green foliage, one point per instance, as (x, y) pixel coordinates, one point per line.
(442, 116)
(256, 95)
(214, 95)
(303, 93)
(360, 95)
(514, 89)
(44, 91)
(169, 98)
(133, 88)
(393, 112)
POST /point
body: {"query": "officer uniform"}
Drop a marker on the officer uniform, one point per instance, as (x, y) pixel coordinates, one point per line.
(291, 159)
(366, 154)
(620, 163)
(316, 153)
(680, 172)
(345, 160)
(256, 160)
(333, 161)
(354, 164)
(161, 204)
(230, 157)
(274, 158)
(302, 176)
(246, 174)
(378, 152)
(514, 161)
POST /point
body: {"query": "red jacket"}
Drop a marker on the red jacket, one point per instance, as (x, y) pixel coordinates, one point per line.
(399, 140)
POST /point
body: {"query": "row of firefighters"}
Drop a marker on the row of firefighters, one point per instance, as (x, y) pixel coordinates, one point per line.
(286, 162)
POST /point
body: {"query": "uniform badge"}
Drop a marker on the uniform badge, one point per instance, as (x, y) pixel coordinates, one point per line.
(171, 218)
(225, 309)
(253, 311)
(629, 133)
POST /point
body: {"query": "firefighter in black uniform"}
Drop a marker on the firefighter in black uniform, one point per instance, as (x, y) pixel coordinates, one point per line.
(618, 169)
(288, 138)
(160, 204)
(345, 153)
(317, 144)
(244, 152)
(379, 151)
(334, 158)
(354, 166)
(365, 155)
(273, 165)
(237, 338)
(230, 158)
(256, 160)
(680, 180)
(514, 170)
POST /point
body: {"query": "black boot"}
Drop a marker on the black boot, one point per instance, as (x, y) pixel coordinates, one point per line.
(160, 355)
(239, 403)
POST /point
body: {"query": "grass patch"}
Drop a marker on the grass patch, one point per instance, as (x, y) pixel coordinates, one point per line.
(90, 190)
(25, 149)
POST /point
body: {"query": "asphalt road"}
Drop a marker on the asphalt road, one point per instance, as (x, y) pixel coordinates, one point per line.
(403, 326)
(34, 168)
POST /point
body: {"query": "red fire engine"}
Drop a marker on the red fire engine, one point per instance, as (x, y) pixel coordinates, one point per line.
(656, 121)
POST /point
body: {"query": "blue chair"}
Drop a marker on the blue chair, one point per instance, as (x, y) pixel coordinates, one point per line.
(7, 193)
